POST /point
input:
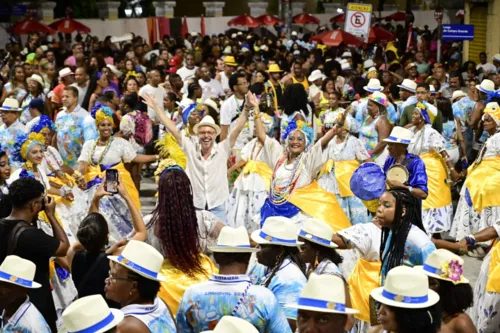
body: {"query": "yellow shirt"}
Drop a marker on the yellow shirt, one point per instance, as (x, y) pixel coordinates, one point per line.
(304, 82)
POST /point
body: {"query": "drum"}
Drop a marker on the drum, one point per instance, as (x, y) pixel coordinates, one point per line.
(399, 173)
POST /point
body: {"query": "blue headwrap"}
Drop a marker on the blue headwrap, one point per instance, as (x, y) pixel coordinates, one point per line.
(301, 126)
(186, 112)
(43, 122)
(493, 95)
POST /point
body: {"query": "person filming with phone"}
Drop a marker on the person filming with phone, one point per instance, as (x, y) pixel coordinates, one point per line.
(20, 235)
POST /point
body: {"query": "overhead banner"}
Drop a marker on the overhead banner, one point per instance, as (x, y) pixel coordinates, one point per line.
(358, 20)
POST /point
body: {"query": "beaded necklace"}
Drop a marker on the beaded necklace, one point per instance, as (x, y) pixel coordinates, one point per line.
(104, 152)
(280, 194)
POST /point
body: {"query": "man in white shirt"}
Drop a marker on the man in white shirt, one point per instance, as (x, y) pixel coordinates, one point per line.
(316, 78)
(229, 67)
(153, 88)
(485, 66)
(81, 83)
(211, 88)
(189, 69)
(206, 161)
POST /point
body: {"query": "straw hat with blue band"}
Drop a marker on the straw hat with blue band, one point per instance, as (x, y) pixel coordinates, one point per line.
(142, 259)
(323, 293)
(277, 230)
(406, 287)
(18, 271)
(233, 240)
(10, 104)
(318, 232)
(400, 135)
(444, 265)
(368, 184)
(409, 85)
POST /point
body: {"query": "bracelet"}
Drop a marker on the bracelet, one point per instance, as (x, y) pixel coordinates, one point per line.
(471, 240)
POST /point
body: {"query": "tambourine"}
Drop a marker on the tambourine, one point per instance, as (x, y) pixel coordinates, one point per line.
(398, 173)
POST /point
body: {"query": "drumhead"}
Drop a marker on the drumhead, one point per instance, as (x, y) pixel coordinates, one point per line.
(398, 173)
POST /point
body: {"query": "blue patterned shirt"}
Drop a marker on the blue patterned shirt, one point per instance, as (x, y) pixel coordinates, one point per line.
(362, 112)
(27, 319)
(286, 284)
(204, 304)
(463, 110)
(8, 139)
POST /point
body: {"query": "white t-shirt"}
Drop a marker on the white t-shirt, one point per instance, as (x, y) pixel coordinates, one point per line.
(487, 67)
(159, 93)
(224, 80)
(213, 88)
(229, 112)
(81, 92)
(186, 73)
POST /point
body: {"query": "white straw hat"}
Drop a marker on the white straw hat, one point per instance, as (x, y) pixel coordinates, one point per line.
(90, 314)
(316, 75)
(115, 70)
(368, 63)
(37, 78)
(347, 54)
(65, 72)
(18, 271)
(458, 94)
(210, 102)
(318, 232)
(294, 33)
(142, 259)
(405, 287)
(444, 265)
(487, 86)
(229, 324)
(496, 57)
(233, 240)
(373, 85)
(432, 90)
(345, 65)
(323, 293)
(277, 230)
(409, 85)
(207, 121)
(400, 135)
(10, 104)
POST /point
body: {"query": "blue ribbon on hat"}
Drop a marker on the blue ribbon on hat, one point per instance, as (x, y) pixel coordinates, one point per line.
(393, 138)
(103, 323)
(271, 239)
(431, 269)
(316, 303)
(10, 108)
(126, 262)
(16, 280)
(310, 237)
(405, 299)
(242, 246)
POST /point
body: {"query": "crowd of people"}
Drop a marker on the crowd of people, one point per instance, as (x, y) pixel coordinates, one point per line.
(300, 188)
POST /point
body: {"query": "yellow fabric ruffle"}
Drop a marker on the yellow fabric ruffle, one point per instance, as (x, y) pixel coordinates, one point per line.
(260, 168)
(343, 174)
(483, 183)
(439, 190)
(321, 205)
(58, 181)
(493, 284)
(177, 282)
(364, 278)
(95, 171)
(327, 168)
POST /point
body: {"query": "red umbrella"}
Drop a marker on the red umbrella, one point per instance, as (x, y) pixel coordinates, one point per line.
(245, 20)
(339, 18)
(337, 37)
(305, 18)
(202, 24)
(68, 25)
(184, 27)
(30, 25)
(267, 19)
(397, 16)
(380, 35)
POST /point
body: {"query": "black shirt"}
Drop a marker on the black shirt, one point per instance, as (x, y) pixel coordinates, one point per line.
(36, 246)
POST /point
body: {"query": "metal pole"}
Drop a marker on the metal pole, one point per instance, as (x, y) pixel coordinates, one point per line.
(289, 21)
(440, 36)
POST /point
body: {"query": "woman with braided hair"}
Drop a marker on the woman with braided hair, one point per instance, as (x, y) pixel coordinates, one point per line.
(180, 233)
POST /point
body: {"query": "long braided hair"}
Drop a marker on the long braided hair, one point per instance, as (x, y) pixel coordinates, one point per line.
(401, 226)
(291, 253)
(175, 222)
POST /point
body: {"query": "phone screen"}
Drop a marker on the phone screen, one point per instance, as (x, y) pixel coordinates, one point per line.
(111, 181)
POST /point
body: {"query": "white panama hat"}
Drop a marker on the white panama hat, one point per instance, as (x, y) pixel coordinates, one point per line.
(65, 72)
(444, 265)
(37, 78)
(233, 240)
(406, 287)
(368, 63)
(373, 85)
(115, 70)
(316, 75)
(277, 230)
(496, 57)
(487, 86)
(10, 104)
(458, 94)
(323, 293)
(210, 102)
(409, 85)
(18, 271)
(400, 135)
(318, 232)
(229, 324)
(142, 259)
(347, 54)
(207, 121)
(90, 314)
(432, 90)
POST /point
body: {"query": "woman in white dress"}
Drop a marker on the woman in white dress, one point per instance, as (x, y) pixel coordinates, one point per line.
(252, 185)
(479, 204)
(293, 192)
(345, 153)
(108, 152)
(428, 144)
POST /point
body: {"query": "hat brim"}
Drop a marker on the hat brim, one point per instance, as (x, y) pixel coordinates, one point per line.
(31, 79)
(421, 268)
(118, 317)
(259, 240)
(433, 298)
(348, 311)
(158, 277)
(394, 141)
(274, 71)
(366, 88)
(214, 126)
(232, 249)
(332, 245)
(478, 87)
(406, 88)
(34, 285)
(11, 110)
(67, 74)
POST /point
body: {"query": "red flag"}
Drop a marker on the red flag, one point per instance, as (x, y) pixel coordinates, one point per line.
(203, 30)
(410, 37)
(184, 29)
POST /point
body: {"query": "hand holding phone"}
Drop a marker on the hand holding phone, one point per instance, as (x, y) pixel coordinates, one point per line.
(111, 185)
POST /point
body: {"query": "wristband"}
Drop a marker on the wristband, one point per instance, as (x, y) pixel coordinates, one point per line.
(471, 240)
